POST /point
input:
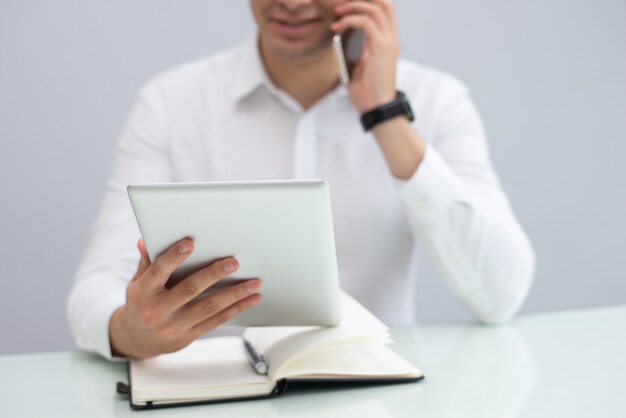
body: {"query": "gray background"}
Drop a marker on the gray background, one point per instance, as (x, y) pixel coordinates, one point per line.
(549, 77)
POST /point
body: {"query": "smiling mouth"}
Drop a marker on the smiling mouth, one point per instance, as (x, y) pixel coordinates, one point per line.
(296, 23)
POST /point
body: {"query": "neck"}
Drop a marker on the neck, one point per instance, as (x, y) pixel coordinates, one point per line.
(306, 79)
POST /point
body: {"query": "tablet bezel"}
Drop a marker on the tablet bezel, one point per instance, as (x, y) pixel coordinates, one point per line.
(279, 231)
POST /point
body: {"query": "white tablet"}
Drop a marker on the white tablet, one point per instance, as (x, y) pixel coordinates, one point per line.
(279, 231)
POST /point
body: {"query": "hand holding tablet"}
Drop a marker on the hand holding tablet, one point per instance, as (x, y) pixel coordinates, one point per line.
(280, 232)
(157, 320)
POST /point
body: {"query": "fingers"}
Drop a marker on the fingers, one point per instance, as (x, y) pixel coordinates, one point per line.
(193, 285)
(205, 308)
(357, 21)
(378, 12)
(225, 315)
(375, 11)
(156, 274)
(387, 8)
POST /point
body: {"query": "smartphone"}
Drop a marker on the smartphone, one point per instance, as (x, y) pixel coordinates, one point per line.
(347, 47)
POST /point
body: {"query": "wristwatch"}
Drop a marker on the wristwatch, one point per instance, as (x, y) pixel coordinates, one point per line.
(399, 106)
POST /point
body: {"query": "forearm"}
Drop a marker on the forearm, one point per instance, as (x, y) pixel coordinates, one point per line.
(110, 257)
(483, 257)
(470, 233)
(477, 246)
(401, 146)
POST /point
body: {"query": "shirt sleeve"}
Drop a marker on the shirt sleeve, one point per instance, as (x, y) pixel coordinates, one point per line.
(460, 214)
(110, 257)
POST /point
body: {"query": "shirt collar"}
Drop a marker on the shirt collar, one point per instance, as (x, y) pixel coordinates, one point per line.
(251, 73)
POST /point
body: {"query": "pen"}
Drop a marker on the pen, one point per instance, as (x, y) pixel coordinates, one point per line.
(258, 362)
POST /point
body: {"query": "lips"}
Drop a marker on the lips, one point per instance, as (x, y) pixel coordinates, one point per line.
(295, 27)
(296, 23)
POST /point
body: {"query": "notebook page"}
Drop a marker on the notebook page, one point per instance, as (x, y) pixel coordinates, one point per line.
(212, 367)
(367, 361)
(283, 344)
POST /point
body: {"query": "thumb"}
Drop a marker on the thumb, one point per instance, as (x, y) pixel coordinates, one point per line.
(144, 261)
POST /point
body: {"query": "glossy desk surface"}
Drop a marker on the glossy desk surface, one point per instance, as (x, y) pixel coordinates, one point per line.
(559, 364)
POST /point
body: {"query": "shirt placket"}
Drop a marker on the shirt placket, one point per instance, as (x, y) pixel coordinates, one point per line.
(305, 143)
(305, 147)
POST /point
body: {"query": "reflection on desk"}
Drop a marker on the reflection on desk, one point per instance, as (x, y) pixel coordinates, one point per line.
(553, 364)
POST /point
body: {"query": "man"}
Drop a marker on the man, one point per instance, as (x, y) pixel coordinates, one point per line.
(273, 109)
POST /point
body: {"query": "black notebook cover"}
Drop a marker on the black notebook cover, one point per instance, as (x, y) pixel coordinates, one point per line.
(281, 386)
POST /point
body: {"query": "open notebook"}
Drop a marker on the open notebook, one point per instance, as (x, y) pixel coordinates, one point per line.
(219, 369)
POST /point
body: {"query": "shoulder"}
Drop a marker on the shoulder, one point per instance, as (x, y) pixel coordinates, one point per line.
(438, 98)
(191, 79)
(427, 85)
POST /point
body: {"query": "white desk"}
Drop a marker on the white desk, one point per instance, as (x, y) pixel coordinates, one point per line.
(563, 364)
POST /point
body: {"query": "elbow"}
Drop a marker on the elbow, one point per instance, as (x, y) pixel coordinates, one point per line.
(510, 290)
(499, 314)
(77, 313)
(72, 315)
(496, 317)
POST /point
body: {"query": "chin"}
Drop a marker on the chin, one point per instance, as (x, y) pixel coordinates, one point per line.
(298, 49)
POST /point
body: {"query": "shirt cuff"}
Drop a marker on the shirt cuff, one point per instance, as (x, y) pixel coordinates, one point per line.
(100, 328)
(431, 190)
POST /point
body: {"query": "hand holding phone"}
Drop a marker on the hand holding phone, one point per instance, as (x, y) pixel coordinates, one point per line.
(367, 51)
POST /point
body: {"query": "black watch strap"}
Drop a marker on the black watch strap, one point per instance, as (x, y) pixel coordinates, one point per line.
(399, 106)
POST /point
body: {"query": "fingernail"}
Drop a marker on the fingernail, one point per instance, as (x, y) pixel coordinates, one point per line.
(253, 287)
(231, 265)
(184, 247)
(254, 300)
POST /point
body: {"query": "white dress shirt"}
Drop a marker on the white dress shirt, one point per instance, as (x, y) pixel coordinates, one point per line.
(221, 118)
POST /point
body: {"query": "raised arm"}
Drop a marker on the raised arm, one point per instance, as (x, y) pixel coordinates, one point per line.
(450, 191)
